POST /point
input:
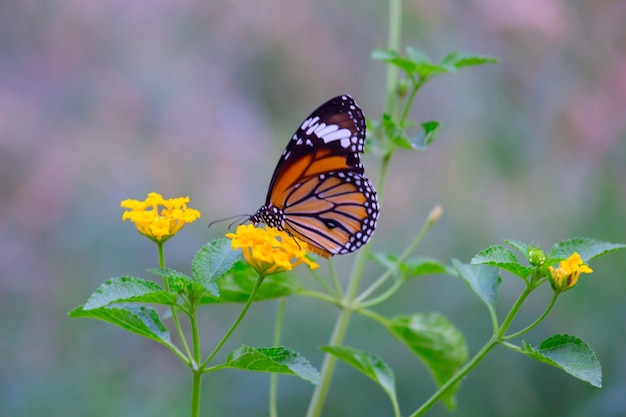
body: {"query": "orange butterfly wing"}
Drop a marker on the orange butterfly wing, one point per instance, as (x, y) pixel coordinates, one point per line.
(319, 192)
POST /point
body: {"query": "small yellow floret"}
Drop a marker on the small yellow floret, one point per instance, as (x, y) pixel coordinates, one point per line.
(566, 275)
(157, 218)
(269, 250)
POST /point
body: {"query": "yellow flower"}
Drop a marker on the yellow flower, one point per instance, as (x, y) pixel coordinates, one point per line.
(269, 250)
(566, 275)
(157, 218)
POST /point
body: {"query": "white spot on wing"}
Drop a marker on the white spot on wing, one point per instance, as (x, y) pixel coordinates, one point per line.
(342, 134)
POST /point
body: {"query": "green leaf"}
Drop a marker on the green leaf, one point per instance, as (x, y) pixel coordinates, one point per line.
(368, 364)
(521, 247)
(138, 319)
(570, 354)
(502, 258)
(466, 59)
(482, 279)
(412, 267)
(394, 58)
(129, 289)
(430, 131)
(402, 141)
(435, 341)
(178, 281)
(417, 55)
(423, 266)
(384, 54)
(588, 249)
(279, 360)
(212, 261)
(237, 284)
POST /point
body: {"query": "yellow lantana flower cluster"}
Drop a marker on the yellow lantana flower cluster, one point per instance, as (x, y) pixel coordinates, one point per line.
(566, 275)
(269, 250)
(157, 218)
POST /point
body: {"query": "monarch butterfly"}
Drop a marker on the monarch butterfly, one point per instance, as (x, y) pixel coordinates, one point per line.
(319, 192)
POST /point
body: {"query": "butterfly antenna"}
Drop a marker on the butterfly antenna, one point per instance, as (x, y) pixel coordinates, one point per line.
(240, 217)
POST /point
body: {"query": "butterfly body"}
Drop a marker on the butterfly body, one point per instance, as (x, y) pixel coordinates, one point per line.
(319, 192)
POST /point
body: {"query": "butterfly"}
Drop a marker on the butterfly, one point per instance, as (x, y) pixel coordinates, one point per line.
(319, 192)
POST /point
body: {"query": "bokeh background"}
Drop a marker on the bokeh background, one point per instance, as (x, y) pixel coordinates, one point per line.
(103, 101)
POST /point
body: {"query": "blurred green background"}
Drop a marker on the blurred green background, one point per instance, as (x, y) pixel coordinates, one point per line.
(103, 101)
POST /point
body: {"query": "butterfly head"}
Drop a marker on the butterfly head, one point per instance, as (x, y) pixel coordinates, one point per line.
(271, 216)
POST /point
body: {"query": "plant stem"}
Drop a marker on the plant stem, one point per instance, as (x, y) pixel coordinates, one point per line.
(335, 279)
(497, 338)
(393, 43)
(274, 377)
(166, 285)
(407, 251)
(536, 322)
(195, 393)
(341, 324)
(328, 365)
(509, 317)
(456, 377)
(230, 331)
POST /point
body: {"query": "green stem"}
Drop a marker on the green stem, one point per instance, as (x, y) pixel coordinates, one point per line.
(335, 279)
(409, 102)
(230, 331)
(277, 336)
(195, 393)
(323, 283)
(509, 318)
(166, 285)
(321, 296)
(393, 43)
(456, 377)
(430, 221)
(197, 372)
(497, 338)
(341, 324)
(328, 365)
(536, 322)
(196, 339)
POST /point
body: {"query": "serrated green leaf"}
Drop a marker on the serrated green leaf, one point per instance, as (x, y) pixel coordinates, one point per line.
(237, 284)
(466, 59)
(129, 289)
(484, 280)
(494, 255)
(279, 360)
(435, 341)
(502, 258)
(588, 249)
(212, 261)
(521, 247)
(138, 319)
(570, 354)
(368, 364)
